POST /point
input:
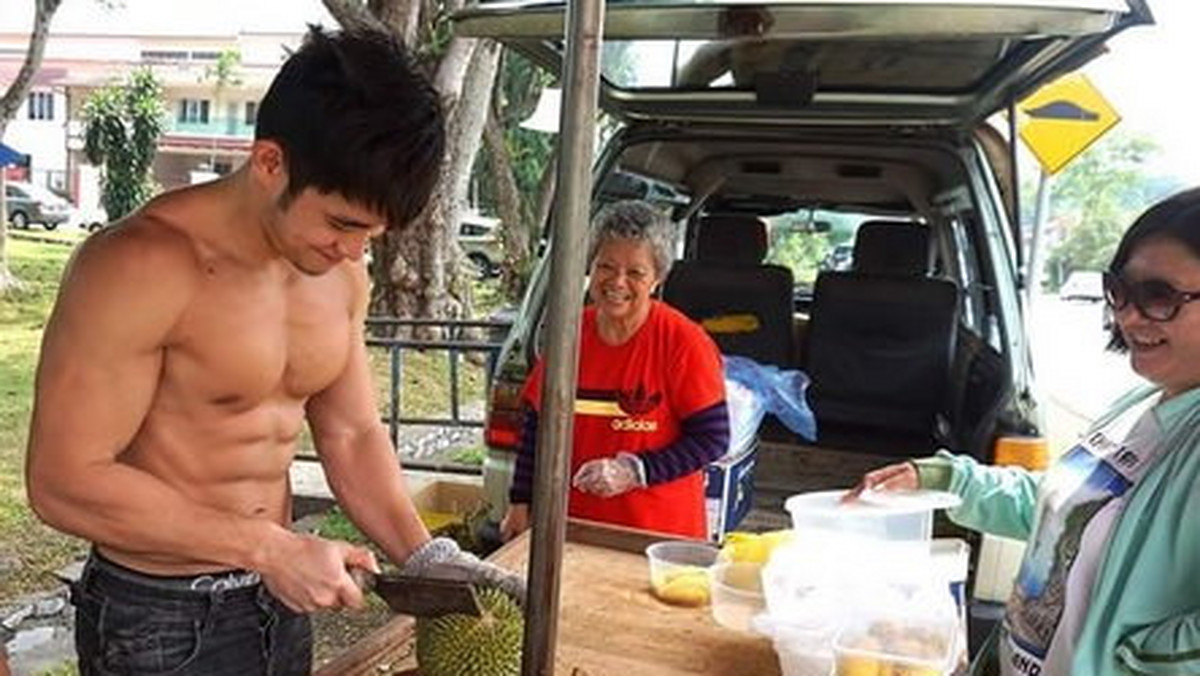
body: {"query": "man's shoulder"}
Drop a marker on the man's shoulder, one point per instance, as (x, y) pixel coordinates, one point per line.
(141, 250)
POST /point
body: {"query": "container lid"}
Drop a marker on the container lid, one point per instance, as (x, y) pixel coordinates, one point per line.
(919, 500)
(871, 503)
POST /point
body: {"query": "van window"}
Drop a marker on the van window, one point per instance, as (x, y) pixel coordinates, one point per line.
(810, 241)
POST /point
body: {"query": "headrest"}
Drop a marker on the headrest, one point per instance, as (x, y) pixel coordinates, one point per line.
(731, 238)
(892, 248)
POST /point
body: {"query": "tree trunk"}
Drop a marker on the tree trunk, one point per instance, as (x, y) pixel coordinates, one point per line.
(546, 194)
(420, 271)
(8, 281)
(9, 103)
(416, 274)
(514, 232)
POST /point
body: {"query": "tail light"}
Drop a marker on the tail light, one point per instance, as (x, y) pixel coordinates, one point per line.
(1032, 453)
(502, 430)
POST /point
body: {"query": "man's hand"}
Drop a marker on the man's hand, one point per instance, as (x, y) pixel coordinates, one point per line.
(308, 573)
(516, 521)
(441, 558)
(901, 476)
(609, 477)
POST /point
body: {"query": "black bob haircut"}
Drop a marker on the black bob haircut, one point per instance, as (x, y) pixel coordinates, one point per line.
(355, 117)
(1176, 218)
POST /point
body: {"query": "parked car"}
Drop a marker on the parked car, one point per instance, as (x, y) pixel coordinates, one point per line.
(480, 241)
(840, 257)
(1083, 285)
(767, 111)
(91, 219)
(28, 203)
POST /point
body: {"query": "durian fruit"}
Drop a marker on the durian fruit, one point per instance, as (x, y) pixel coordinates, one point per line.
(463, 645)
(743, 547)
(683, 586)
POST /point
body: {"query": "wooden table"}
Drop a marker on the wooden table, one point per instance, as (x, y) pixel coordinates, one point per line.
(609, 624)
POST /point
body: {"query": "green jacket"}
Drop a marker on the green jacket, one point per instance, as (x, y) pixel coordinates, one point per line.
(1144, 614)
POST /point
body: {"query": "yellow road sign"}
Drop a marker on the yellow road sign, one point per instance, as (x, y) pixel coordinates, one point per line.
(1063, 118)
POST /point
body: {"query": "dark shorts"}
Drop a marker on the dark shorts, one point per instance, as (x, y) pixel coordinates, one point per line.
(224, 624)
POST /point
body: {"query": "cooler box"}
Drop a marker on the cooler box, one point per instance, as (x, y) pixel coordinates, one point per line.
(729, 489)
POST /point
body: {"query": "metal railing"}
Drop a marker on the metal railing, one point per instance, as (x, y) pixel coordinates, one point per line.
(461, 338)
(220, 126)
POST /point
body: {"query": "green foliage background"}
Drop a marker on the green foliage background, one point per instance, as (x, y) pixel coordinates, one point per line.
(1099, 195)
(123, 123)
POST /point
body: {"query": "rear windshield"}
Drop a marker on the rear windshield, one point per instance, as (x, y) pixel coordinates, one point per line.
(809, 241)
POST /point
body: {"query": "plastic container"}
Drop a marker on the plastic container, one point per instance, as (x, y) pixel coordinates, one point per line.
(679, 571)
(737, 594)
(951, 559)
(802, 651)
(913, 646)
(899, 517)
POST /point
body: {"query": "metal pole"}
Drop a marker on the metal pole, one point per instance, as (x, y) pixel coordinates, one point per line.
(1015, 171)
(572, 208)
(1036, 258)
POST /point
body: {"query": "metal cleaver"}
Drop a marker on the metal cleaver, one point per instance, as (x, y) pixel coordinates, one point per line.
(420, 596)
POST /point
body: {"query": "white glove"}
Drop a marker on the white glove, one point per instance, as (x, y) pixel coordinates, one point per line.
(609, 477)
(441, 558)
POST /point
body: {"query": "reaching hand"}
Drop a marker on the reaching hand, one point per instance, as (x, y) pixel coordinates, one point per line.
(516, 521)
(441, 558)
(901, 476)
(609, 477)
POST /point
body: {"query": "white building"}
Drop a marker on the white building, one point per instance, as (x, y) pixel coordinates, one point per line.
(208, 127)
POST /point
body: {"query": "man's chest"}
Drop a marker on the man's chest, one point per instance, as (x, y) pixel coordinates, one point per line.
(244, 343)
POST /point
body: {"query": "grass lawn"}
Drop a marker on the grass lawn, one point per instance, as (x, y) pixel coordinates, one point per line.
(31, 552)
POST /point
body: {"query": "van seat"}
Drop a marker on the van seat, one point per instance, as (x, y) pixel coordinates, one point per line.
(744, 304)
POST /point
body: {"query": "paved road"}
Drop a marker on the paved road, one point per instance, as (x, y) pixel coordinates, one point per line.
(1076, 377)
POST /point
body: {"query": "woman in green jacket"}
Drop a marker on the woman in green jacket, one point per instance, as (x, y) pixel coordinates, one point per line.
(1109, 583)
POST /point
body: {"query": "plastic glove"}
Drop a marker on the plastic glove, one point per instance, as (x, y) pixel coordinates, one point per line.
(441, 558)
(609, 477)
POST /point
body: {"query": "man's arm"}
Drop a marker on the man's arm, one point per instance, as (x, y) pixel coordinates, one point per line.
(364, 473)
(102, 352)
(359, 460)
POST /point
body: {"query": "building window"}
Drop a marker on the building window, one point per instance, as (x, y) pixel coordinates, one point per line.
(193, 110)
(163, 55)
(41, 106)
(251, 112)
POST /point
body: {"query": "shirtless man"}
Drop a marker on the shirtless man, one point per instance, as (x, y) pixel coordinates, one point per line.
(188, 346)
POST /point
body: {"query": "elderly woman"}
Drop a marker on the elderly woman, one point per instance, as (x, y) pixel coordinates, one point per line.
(1108, 584)
(650, 406)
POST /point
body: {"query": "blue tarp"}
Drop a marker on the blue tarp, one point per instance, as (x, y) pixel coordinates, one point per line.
(10, 157)
(769, 390)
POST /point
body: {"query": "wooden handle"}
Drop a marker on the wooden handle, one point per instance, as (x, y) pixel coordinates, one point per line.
(362, 577)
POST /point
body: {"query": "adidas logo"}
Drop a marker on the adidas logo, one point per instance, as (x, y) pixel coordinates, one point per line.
(631, 425)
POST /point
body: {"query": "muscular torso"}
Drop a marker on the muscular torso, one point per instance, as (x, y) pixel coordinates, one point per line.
(251, 345)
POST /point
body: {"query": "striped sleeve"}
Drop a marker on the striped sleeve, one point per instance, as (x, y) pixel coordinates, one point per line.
(704, 439)
(521, 491)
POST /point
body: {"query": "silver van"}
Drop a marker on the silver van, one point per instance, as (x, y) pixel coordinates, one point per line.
(871, 118)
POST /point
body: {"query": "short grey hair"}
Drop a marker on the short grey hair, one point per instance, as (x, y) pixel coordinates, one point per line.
(638, 221)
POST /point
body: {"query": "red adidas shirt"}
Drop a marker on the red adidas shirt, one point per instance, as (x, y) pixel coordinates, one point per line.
(632, 398)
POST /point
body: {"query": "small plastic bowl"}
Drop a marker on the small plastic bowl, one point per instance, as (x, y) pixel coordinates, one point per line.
(679, 571)
(737, 594)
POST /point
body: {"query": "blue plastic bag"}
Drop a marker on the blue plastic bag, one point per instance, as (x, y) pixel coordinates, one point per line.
(775, 391)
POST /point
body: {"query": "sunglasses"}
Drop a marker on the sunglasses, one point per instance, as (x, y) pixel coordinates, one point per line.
(1157, 300)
